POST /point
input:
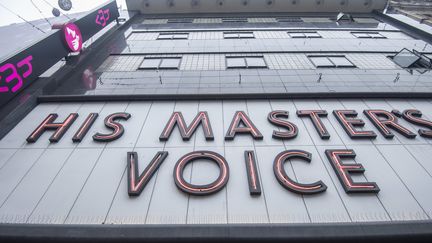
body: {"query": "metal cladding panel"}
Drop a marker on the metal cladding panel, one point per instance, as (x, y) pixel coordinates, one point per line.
(253, 6)
(87, 182)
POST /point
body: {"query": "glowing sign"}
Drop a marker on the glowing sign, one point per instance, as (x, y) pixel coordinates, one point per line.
(14, 74)
(73, 37)
(242, 124)
(102, 17)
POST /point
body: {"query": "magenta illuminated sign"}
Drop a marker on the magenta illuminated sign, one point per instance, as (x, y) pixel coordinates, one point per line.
(15, 72)
(102, 17)
(72, 37)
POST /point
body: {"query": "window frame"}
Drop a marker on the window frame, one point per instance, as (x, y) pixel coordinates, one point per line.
(180, 20)
(246, 62)
(369, 35)
(289, 20)
(310, 57)
(173, 34)
(160, 62)
(304, 34)
(234, 20)
(238, 34)
(417, 64)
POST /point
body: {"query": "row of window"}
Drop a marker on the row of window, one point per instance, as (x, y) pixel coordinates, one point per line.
(251, 35)
(272, 61)
(253, 61)
(253, 20)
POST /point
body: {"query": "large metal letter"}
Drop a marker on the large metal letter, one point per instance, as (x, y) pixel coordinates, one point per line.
(288, 183)
(241, 118)
(342, 171)
(137, 182)
(117, 128)
(187, 131)
(273, 118)
(252, 173)
(390, 121)
(347, 119)
(201, 190)
(414, 116)
(315, 115)
(49, 124)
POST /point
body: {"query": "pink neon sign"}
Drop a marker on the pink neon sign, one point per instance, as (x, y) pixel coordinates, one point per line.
(73, 37)
(14, 74)
(102, 17)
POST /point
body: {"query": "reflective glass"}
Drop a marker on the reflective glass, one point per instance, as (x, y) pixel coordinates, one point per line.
(341, 62)
(255, 62)
(321, 62)
(236, 62)
(405, 58)
(150, 64)
(165, 36)
(312, 35)
(170, 63)
(246, 35)
(181, 36)
(297, 35)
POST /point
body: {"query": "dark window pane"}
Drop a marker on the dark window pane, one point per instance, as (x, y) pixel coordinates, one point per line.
(405, 58)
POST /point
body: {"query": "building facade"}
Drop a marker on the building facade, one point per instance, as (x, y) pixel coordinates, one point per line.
(418, 10)
(236, 120)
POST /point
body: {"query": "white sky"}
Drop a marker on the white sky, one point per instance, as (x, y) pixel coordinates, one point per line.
(26, 9)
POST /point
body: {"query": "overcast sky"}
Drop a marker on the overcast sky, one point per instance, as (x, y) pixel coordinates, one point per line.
(26, 9)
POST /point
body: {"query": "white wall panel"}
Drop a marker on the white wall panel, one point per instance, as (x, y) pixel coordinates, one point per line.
(133, 210)
(95, 198)
(210, 209)
(16, 137)
(156, 120)
(282, 205)
(60, 197)
(5, 155)
(168, 205)
(27, 194)
(238, 191)
(16, 168)
(397, 199)
(414, 176)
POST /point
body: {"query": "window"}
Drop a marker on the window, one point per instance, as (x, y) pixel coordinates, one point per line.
(180, 21)
(412, 59)
(234, 20)
(239, 35)
(289, 20)
(331, 62)
(306, 34)
(366, 20)
(370, 35)
(161, 63)
(173, 36)
(343, 17)
(246, 62)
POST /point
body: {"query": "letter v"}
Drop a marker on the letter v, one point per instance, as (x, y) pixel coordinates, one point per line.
(136, 182)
